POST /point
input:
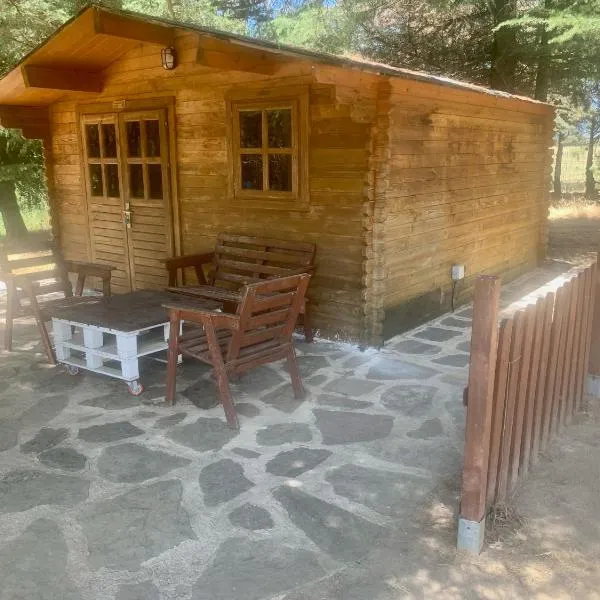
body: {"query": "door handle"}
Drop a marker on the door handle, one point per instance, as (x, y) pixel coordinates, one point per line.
(127, 218)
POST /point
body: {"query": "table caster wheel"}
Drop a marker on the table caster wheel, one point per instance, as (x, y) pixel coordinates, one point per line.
(72, 370)
(135, 388)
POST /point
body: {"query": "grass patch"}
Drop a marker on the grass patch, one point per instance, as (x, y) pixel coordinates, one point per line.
(36, 219)
(572, 173)
(574, 206)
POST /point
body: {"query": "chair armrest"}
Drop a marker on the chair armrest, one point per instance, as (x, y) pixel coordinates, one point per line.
(89, 268)
(191, 312)
(209, 292)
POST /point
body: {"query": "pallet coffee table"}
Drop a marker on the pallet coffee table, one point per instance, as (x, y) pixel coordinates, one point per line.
(110, 335)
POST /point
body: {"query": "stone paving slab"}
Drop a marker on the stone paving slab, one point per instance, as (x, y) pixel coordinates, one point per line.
(108, 497)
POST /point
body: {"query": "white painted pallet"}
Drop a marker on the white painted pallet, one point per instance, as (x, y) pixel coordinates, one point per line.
(90, 347)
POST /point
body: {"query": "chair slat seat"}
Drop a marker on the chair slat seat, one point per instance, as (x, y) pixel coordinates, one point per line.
(260, 332)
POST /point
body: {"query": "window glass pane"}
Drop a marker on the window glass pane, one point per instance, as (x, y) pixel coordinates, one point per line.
(152, 138)
(133, 138)
(112, 181)
(280, 172)
(96, 180)
(280, 128)
(252, 172)
(136, 181)
(250, 129)
(155, 182)
(109, 139)
(92, 138)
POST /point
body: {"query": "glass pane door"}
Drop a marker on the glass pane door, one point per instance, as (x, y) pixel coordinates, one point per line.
(146, 195)
(100, 134)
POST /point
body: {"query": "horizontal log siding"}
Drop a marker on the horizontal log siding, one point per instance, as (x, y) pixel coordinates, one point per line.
(468, 183)
(338, 158)
(68, 186)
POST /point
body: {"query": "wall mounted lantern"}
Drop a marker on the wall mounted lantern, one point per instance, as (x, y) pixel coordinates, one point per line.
(168, 58)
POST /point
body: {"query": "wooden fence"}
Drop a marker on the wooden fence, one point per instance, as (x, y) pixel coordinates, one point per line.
(527, 377)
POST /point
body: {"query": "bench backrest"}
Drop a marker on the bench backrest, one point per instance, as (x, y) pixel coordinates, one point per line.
(267, 316)
(242, 259)
(36, 266)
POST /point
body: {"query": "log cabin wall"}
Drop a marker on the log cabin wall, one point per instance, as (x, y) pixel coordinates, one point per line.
(404, 178)
(467, 183)
(341, 120)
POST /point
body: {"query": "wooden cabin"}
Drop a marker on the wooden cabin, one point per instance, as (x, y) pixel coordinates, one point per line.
(395, 175)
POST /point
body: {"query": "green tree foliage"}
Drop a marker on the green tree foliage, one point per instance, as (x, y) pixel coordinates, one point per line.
(318, 26)
(21, 176)
(197, 12)
(443, 37)
(544, 48)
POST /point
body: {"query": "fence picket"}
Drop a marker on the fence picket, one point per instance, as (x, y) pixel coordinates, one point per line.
(573, 381)
(514, 358)
(558, 402)
(593, 364)
(499, 405)
(589, 322)
(532, 380)
(484, 345)
(515, 454)
(541, 382)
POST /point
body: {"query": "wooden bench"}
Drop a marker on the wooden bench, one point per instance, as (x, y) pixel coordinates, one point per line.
(37, 282)
(259, 333)
(239, 260)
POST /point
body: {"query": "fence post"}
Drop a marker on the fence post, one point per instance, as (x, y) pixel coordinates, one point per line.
(593, 379)
(482, 371)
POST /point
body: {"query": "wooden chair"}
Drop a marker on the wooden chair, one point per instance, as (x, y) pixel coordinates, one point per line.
(260, 332)
(37, 282)
(241, 259)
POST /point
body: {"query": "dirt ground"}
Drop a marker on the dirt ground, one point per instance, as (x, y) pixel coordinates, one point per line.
(574, 231)
(546, 545)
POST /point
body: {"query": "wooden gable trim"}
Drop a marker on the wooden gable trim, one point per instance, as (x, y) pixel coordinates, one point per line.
(219, 54)
(118, 25)
(35, 76)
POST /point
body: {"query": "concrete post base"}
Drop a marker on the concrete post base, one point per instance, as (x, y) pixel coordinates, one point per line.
(470, 535)
(593, 385)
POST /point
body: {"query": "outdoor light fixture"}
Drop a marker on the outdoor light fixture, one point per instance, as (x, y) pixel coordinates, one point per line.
(168, 57)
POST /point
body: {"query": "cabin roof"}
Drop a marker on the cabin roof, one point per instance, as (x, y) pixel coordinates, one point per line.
(96, 37)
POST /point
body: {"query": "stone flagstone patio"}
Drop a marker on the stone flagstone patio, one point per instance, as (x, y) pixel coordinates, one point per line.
(106, 496)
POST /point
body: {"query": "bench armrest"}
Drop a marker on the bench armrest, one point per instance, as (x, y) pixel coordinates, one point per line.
(197, 261)
(188, 260)
(89, 269)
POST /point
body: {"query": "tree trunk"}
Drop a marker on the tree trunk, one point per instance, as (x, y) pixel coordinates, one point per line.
(557, 189)
(171, 9)
(9, 209)
(503, 59)
(542, 78)
(590, 183)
